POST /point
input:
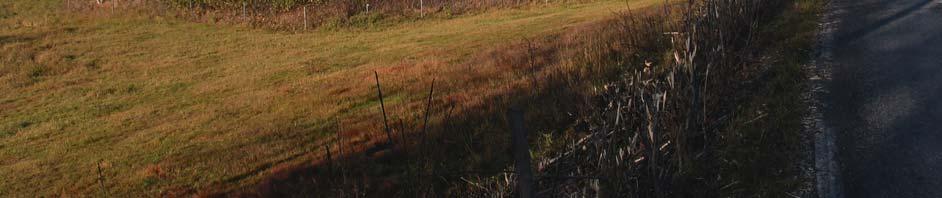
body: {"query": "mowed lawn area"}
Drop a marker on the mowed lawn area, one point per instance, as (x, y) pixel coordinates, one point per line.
(170, 105)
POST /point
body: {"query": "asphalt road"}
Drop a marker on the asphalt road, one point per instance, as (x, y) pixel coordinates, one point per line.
(885, 97)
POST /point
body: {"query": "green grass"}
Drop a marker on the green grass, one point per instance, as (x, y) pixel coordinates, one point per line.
(761, 149)
(173, 106)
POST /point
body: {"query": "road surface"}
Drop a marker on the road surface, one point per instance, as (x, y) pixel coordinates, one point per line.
(885, 99)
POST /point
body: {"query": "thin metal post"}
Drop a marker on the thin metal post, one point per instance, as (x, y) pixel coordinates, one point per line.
(428, 109)
(382, 105)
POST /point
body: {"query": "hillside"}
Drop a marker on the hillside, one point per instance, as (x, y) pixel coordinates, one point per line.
(164, 105)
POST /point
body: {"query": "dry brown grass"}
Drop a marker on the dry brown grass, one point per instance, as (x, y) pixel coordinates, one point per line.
(550, 77)
(178, 107)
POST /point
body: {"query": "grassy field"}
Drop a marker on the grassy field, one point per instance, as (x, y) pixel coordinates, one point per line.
(169, 105)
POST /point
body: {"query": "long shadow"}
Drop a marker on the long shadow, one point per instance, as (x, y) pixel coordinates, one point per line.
(854, 35)
(456, 150)
(471, 142)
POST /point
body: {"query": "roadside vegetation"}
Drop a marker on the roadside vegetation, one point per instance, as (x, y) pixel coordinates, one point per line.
(765, 151)
(719, 117)
(638, 98)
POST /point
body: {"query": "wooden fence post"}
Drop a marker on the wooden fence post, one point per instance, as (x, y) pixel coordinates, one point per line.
(305, 17)
(521, 152)
(101, 180)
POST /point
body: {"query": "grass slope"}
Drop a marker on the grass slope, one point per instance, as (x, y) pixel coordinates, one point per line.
(168, 105)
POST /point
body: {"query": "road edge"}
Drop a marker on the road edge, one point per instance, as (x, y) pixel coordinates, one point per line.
(826, 166)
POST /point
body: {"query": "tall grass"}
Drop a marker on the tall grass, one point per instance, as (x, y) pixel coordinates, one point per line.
(652, 132)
